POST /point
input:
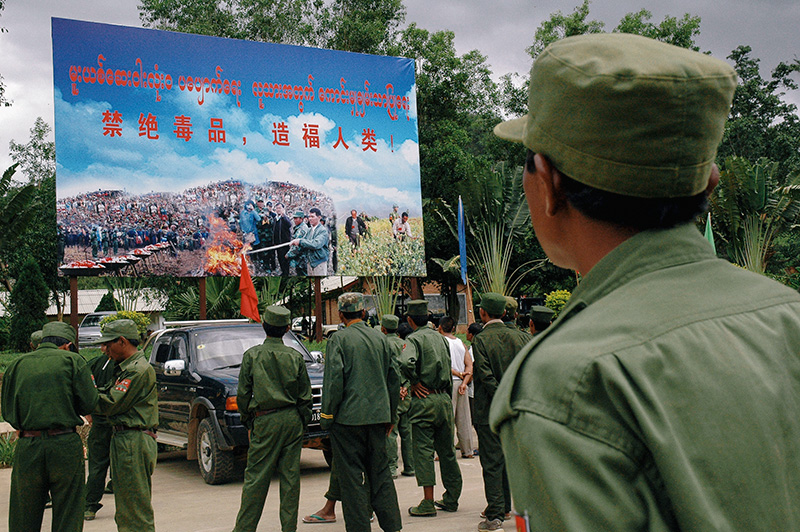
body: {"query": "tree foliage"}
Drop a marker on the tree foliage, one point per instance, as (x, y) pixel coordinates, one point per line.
(559, 26)
(37, 157)
(679, 32)
(750, 208)
(28, 304)
(762, 123)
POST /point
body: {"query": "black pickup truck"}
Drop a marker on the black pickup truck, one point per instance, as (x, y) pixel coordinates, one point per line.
(197, 370)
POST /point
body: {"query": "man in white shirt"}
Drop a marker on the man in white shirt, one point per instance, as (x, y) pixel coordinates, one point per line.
(461, 368)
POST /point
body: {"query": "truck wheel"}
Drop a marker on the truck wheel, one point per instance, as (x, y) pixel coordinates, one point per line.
(216, 465)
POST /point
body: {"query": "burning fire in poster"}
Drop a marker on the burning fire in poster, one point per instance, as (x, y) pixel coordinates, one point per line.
(222, 255)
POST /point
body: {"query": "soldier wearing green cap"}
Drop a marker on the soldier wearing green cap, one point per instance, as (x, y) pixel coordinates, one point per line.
(665, 395)
(360, 393)
(540, 319)
(274, 399)
(389, 325)
(44, 395)
(35, 340)
(130, 402)
(427, 367)
(492, 351)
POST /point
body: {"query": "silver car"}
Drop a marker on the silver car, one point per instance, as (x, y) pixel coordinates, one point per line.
(89, 329)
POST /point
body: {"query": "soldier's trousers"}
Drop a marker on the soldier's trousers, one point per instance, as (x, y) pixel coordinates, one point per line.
(133, 460)
(403, 428)
(359, 455)
(432, 431)
(275, 444)
(334, 491)
(495, 479)
(45, 464)
(99, 459)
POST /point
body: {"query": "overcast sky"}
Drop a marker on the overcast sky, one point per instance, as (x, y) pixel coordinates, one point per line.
(499, 29)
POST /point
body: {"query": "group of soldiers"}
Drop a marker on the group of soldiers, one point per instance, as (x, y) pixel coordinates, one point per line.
(374, 384)
(44, 395)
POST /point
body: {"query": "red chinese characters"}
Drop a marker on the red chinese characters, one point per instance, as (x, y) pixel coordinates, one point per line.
(112, 123)
(148, 126)
(341, 141)
(183, 127)
(311, 135)
(280, 134)
(216, 133)
(368, 140)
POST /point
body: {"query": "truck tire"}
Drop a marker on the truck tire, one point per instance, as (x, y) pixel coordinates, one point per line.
(216, 465)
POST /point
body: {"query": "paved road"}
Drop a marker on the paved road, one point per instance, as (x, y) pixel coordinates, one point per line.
(184, 503)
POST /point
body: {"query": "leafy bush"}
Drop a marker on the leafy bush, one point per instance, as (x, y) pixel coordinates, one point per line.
(108, 303)
(556, 300)
(141, 320)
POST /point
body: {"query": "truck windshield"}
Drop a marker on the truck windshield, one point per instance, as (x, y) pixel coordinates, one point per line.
(224, 347)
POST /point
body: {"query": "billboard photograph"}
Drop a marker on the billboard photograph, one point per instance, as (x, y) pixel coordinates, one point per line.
(177, 154)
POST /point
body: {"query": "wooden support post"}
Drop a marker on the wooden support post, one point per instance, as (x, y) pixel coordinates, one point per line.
(203, 304)
(318, 309)
(73, 303)
(416, 291)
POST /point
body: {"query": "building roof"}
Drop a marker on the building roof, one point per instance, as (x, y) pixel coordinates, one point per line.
(146, 300)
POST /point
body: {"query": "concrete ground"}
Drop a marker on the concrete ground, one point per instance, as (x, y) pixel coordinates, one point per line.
(184, 503)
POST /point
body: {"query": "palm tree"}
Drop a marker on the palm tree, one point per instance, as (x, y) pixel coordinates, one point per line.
(497, 215)
(749, 209)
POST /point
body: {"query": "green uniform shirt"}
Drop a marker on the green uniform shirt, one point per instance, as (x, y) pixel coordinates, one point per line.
(430, 361)
(49, 388)
(132, 400)
(492, 350)
(396, 345)
(360, 385)
(666, 396)
(273, 375)
(102, 369)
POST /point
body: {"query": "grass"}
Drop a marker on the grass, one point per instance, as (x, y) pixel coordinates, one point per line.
(7, 447)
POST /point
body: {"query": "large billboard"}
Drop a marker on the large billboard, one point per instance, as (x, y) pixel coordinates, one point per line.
(178, 153)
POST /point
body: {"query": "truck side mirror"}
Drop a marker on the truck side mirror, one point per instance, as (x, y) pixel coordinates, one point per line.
(173, 368)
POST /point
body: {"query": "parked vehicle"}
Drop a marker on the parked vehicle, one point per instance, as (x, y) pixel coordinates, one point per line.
(197, 371)
(89, 328)
(307, 329)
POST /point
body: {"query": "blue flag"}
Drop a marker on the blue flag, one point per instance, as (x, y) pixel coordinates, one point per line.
(462, 241)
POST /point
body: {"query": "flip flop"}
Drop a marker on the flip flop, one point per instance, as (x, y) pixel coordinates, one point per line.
(314, 518)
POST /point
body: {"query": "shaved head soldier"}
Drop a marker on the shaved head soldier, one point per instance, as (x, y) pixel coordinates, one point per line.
(666, 394)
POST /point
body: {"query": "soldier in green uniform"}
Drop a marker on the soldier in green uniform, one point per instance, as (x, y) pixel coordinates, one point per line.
(274, 398)
(389, 324)
(665, 396)
(492, 350)
(359, 407)
(295, 254)
(130, 402)
(427, 368)
(98, 444)
(44, 393)
(541, 317)
(35, 340)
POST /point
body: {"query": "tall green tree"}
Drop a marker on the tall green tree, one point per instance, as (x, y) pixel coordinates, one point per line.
(37, 157)
(762, 123)
(4, 101)
(28, 305)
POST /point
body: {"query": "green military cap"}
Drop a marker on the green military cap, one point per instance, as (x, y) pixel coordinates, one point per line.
(118, 329)
(540, 313)
(351, 302)
(59, 329)
(36, 338)
(417, 307)
(493, 303)
(626, 114)
(298, 214)
(511, 305)
(277, 315)
(390, 322)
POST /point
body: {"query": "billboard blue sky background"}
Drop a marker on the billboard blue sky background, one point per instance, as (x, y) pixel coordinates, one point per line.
(87, 160)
